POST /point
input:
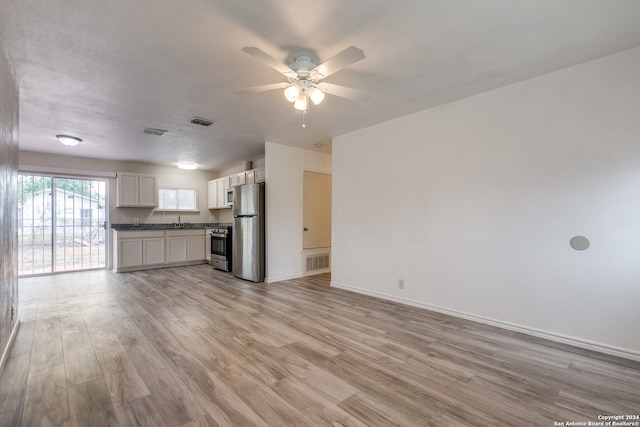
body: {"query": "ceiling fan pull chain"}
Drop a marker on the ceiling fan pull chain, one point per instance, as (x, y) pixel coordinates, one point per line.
(304, 115)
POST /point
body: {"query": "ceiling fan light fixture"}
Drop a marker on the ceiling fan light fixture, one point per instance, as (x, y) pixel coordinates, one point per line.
(316, 95)
(301, 102)
(291, 93)
(68, 140)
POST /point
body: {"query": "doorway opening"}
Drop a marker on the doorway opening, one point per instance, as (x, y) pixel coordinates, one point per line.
(61, 224)
(316, 213)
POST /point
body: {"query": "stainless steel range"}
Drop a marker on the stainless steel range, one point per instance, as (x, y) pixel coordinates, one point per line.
(221, 247)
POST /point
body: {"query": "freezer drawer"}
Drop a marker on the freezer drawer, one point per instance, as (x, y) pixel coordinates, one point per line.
(248, 248)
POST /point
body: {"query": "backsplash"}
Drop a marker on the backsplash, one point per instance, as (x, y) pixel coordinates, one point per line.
(165, 226)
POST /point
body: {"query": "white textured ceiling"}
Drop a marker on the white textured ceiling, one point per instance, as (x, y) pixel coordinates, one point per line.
(104, 70)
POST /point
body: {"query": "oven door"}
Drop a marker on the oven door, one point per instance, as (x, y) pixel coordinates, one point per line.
(219, 246)
(220, 252)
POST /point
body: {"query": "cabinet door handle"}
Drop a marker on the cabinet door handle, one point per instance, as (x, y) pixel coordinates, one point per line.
(305, 229)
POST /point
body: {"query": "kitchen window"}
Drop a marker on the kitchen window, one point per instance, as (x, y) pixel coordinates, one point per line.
(177, 199)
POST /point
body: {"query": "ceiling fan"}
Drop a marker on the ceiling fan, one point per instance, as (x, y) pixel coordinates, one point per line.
(304, 78)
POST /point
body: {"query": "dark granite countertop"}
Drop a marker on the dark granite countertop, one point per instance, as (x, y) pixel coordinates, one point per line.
(168, 226)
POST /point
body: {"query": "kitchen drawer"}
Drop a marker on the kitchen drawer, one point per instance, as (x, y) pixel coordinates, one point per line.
(182, 232)
(139, 234)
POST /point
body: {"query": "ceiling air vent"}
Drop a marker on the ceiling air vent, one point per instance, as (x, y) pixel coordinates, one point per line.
(152, 131)
(200, 121)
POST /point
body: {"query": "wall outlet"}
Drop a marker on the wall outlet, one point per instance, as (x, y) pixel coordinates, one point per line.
(401, 283)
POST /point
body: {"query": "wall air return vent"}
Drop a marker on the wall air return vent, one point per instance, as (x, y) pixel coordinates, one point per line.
(152, 131)
(200, 121)
(317, 262)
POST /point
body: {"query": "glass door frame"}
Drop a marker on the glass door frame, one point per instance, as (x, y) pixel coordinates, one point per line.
(76, 217)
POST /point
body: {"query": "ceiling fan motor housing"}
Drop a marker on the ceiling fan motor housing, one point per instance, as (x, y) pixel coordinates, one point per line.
(302, 63)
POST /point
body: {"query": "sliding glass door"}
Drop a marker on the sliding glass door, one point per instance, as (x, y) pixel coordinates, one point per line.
(61, 224)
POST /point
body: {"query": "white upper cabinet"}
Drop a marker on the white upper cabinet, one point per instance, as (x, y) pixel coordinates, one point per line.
(147, 193)
(238, 179)
(136, 190)
(127, 189)
(217, 193)
(223, 187)
(250, 176)
(212, 194)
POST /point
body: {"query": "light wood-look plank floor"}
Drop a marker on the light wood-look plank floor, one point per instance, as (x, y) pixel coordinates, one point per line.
(192, 346)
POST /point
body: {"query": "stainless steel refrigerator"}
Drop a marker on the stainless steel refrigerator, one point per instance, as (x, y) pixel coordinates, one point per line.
(248, 232)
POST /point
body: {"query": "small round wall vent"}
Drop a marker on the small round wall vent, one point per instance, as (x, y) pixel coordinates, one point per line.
(579, 243)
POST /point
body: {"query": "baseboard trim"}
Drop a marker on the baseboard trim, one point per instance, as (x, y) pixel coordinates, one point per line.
(552, 336)
(281, 278)
(7, 350)
(159, 266)
(296, 276)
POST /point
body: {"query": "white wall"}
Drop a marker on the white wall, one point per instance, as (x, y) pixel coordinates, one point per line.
(284, 168)
(473, 204)
(9, 112)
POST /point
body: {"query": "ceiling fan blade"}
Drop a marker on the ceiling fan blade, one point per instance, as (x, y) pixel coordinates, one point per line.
(349, 56)
(261, 55)
(262, 88)
(344, 92)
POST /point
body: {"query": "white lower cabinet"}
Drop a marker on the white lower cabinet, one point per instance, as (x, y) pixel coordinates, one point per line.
(176, 249)
(185, 245)
(129, 252)
(207, 247)
(196, 248)
(140, 250)
(153, 250)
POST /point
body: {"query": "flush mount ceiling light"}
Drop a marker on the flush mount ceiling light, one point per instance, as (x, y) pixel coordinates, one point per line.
(303, 78)
(187, 165)
(68, 140)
